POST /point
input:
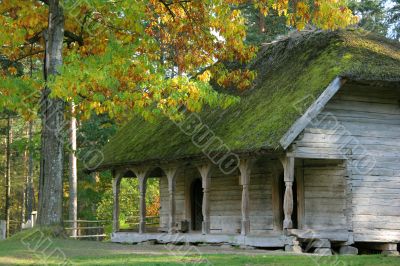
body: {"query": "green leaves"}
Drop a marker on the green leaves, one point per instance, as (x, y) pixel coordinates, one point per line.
(144, 57)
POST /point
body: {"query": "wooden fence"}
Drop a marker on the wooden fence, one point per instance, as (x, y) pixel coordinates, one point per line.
(152, 223)
(96, 230)
(87, 229)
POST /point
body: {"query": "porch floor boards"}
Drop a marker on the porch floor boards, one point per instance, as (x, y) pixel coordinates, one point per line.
(260, 240)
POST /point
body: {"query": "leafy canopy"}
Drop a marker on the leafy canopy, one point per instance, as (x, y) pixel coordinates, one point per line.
(150, 56)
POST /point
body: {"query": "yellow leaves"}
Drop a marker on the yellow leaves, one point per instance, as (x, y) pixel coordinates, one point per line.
(332, 14)
(235, 14)
(239, 79)
(281, 6)
(95, 105)
(176, 41)
(166, 19)
(20, 21)
(301, 17)
(264, 11)
(302, 8)
(205, 76)
(12, 70)
(171, 102)
(325, 14)
(194, 92)
(32, 20)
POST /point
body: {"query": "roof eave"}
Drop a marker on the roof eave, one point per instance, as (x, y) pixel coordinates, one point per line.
(311, 112)
(156, 162)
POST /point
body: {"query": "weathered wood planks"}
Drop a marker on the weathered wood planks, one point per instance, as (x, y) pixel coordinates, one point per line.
(359, 123)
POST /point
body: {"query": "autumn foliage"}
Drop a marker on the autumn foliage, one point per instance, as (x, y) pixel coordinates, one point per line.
(151, 57)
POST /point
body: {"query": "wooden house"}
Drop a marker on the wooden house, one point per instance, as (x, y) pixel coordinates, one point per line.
(310, 153)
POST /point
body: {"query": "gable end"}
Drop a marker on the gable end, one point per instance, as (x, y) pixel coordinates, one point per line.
(311, 112)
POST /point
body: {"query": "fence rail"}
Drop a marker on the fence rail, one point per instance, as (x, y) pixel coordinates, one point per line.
(150, 220)
(96, 229)
(87, 229)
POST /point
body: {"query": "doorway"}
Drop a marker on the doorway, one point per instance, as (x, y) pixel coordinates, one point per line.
(196, 193)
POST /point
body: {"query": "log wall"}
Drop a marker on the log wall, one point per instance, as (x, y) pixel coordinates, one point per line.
(225, 198)
(324, 186)
(360, 125)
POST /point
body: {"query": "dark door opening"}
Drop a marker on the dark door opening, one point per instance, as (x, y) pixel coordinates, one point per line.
(197, 204)
(282, 187)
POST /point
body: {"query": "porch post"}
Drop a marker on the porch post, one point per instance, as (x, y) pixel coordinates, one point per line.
(245, 170)
(116, 189)
(141, 174)
(205, 172)
(170, 172)
(288, 166)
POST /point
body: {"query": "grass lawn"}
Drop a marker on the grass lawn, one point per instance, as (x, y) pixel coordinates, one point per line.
(37, 249)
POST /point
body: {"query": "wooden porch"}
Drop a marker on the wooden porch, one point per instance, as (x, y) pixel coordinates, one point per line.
(287, 225)
(273, 240)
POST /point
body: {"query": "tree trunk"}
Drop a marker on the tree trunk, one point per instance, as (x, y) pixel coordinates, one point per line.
(52, 115)
(30, 189)
(261, 22)
(73, 174)
(24, 187)
(8, 175)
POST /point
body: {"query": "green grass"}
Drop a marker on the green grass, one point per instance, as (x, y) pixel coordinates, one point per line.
(28, 249)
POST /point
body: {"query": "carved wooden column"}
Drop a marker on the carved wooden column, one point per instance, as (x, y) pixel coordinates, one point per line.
(205, 172)
(245, 170)
(170, 172)
(116, 189)
(141, 174)
(288, 166)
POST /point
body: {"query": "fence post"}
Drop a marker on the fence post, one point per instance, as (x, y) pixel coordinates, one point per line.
(34, 218)
(2, 229)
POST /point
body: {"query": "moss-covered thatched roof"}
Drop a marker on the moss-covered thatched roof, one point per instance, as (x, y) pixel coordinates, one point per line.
(288, 70)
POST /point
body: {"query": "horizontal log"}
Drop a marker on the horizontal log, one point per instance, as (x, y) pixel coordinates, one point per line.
(84, 228)
(367, 107)
(383, 202)
(381, 184)
(341, 139)
(375, 210)
(315, 207)
(388, 98)
(373, 190)
(377, 235)
(386, 175)
(89, 236)
(355, 133)
(376, 225)
(376, 218)
(332, 235)
(87, 221)
(339, 201)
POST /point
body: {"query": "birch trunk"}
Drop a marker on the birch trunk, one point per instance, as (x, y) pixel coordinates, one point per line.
(73, 175)
(8, 175)
(51, 192)
(24, 187)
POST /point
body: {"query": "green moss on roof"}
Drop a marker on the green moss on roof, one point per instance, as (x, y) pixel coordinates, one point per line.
(289, 72)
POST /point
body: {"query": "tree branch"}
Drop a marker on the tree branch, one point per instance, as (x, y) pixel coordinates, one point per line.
(45, 1)
(73, 37)
(28, 55)
(166, 5)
